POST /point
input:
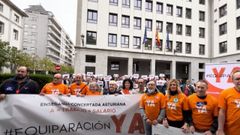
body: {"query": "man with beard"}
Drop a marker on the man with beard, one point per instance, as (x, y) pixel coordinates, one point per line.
(112, 89)
(152, 107)
(56, 87)
(78, 86)
(141, 86)
(20, 84)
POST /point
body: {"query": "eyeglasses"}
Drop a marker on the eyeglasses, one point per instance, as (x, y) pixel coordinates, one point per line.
(173, 84)
(57, 78)
(237, 79)
(151, 84)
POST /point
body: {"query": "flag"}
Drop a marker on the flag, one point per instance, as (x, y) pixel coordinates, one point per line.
(145, 37)
(167, 40)
(157, 36)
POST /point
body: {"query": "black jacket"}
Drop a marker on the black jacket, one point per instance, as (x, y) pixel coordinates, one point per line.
(11, 86)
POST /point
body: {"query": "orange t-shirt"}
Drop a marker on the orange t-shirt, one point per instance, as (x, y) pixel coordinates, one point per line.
(125, 91)
(51, 88)
(75, 88)
(229, 100)
(152, 104)
(203, 111)
(89, 92)
(175, 105)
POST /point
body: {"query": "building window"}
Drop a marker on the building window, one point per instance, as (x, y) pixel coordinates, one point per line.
(89, 69)
(113, 2)
(169, 27)
(238, 43)
(179, 11)
(125, 41)
(169, 9)
(159, 7)
(125, 21)
(91, 37)
(136, 42)
(148, 24)
(159, 25)
(188, 48)
(188, 30)
(1, 7)
(201, 49)
(159, 46)
(15, 34)
(148, 44)
(223, 29)
(238, 22)
(137, 23)
(223, 47)
(149, 6)
(92, 16)
(223, 11)
(201, 16)
(16, 18)
(90, 58)
(178, 47)
(113, 19)
(238, 4)
(188, 13)
(179, 29)
(202, 2)
(169, 46)
(202, 32)
(138, 4)
(93, 0)
(1, 27)
(126, 3)
(201, 65)
(112, 40)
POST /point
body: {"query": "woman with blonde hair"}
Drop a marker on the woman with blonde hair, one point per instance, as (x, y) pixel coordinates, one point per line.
(176, 106)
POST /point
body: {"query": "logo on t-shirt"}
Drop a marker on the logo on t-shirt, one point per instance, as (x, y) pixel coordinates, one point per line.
(172, 105)
(55, 91)
(77, 91)
(150, 103)
(9, 89)
(237, 102)
(201, 107)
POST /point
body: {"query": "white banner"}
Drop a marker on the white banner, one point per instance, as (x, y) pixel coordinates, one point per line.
(62, 115)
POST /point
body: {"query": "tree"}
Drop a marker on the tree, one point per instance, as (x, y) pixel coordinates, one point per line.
(3, 53)
(46, 64)
(67, 69)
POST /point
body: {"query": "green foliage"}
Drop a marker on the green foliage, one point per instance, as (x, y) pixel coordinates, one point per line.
(4, 47)
(41, 79)
(11, 57)
(66, 69)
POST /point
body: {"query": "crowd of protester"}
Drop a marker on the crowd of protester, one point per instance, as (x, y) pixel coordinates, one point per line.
(175, 103)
